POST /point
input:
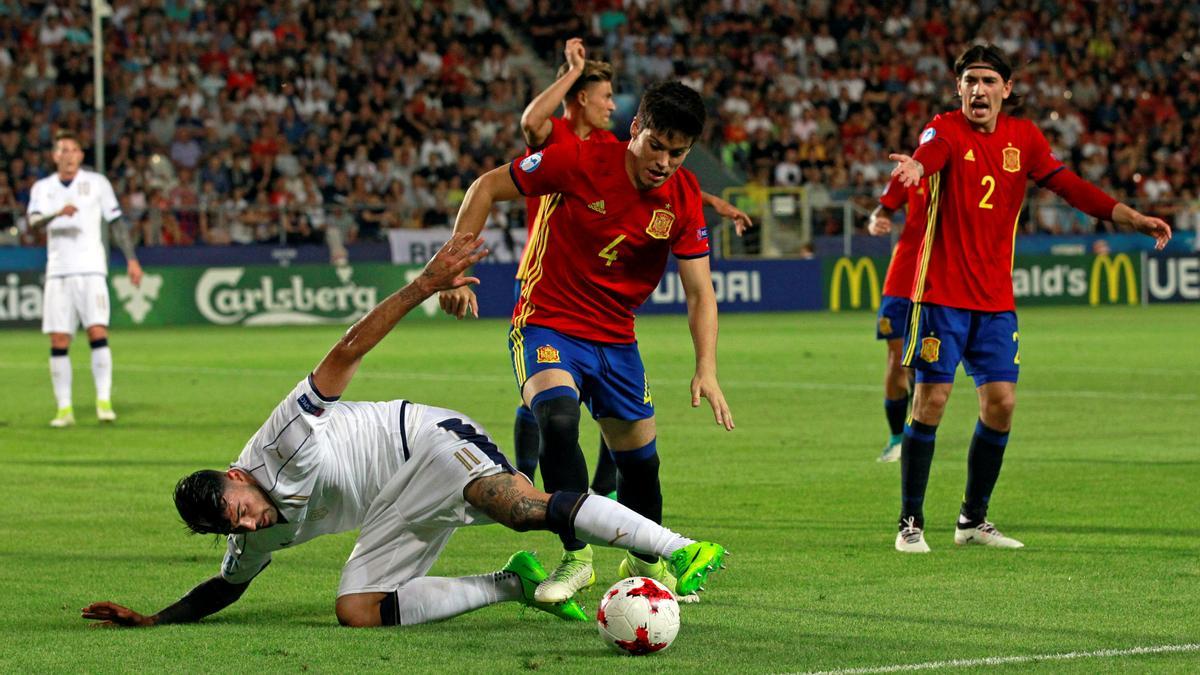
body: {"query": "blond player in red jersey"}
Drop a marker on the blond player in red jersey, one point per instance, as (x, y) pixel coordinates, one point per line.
(974, 164)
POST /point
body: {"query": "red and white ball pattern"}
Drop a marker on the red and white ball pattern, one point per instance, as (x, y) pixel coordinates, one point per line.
(638, 616)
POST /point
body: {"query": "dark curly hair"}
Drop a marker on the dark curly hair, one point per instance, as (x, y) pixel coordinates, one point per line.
(200, 500)
(672, 107)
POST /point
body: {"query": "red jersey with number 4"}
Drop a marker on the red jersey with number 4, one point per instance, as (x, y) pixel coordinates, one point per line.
(975, 199)
(560, 132)
(903, 267)
(601, 244)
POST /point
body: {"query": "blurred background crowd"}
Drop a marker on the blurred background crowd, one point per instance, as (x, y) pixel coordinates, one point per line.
(240, 122)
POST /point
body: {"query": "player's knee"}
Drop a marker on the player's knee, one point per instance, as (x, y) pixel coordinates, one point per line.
(356, 611)
(557, 413)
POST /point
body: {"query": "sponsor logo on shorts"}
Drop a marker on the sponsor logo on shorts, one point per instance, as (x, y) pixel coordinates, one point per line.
(548, 354)
(309, 407)
(1012, 159)
(930, 349)
(531, 163)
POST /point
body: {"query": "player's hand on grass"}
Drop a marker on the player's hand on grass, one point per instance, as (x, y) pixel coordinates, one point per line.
(907, 169)
(705, 386)
(112, 614)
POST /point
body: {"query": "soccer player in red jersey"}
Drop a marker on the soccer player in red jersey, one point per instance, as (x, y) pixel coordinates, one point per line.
(895, 307)
(584, 87)
(974, 164)
(617, 212)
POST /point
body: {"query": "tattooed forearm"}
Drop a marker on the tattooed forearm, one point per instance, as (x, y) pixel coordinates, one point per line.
(120, 237)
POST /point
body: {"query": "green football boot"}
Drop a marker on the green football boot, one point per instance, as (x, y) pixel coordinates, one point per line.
(531, 573)
(692, 564)
(633, 566)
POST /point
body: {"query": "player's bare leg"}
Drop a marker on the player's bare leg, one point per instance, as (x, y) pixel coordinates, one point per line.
(60, 378)
(102, 372)
(896, 391)
(916, 456)
(997, 401)
(554, 399)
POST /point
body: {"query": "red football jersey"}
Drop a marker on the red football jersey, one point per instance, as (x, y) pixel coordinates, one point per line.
(975, 196)
(560, 132)
(600, 245)
(903, 267)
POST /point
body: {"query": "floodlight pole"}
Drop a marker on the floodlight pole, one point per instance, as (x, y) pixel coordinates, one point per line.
(100, 9)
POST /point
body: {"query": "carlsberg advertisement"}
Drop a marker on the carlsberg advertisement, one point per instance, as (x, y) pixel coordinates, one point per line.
(258, 295)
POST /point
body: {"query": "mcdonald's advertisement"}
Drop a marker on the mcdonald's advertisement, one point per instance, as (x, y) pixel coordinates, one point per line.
(857, 283)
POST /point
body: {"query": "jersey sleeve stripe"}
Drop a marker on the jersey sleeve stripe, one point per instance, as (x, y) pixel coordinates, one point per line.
(1043, 180)
(692, 256)
(931, 214)
(512, 171)
(404, 430)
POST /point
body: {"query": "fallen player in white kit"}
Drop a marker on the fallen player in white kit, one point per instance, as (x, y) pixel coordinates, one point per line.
(408, 475)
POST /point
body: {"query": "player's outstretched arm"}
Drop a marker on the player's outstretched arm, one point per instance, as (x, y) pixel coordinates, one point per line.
(741, 220)
(443, 271)
(494, 186)
(535, 121)
(210, 597)
(696, 276)
(1147, 225)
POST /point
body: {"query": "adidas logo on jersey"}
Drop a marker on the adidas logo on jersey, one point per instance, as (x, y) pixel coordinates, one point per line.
(970, 156)
(598, 207)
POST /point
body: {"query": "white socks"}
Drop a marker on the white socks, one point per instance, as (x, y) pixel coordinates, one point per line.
(60, 377)
(102, 372)
(426, 599)
(606, 522)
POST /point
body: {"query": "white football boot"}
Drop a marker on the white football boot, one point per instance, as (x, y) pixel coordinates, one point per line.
(984, 533)
(573, 573)
(910, 538)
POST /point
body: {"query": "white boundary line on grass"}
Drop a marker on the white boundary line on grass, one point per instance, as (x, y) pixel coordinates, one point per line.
(1005, 660)
(729, 383)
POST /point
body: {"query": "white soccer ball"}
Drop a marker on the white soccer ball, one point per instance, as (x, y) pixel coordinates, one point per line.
(638, 616)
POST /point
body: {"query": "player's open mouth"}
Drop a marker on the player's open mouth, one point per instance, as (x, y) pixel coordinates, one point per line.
(980, 106)
(656, 175)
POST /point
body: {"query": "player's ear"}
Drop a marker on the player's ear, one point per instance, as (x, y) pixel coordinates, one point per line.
(1007, 89)
(634, 127)
(238, 476)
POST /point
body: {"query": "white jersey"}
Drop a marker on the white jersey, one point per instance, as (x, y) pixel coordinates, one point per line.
(323, 463)
(75, 243)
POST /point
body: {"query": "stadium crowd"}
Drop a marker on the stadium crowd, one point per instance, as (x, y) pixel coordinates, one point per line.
(239, 121)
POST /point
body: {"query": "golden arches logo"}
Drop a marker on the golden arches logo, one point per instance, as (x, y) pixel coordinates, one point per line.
(1111, 267)
(854, 271)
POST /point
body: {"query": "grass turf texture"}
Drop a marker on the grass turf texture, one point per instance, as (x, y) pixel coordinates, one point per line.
(1100, 483)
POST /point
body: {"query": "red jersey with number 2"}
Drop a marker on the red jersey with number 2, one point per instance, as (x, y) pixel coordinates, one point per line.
(975, 199)
(601, 244)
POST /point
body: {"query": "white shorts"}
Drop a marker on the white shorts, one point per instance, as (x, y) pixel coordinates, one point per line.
(411, 520)
(74, 300)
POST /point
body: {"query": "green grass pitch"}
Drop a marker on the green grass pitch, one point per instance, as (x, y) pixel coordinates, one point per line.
(1100, 483)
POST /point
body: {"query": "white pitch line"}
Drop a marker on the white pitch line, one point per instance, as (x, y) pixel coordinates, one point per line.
(731, 383)
(1005, 660)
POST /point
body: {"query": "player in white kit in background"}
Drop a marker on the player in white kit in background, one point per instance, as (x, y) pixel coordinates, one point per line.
(74, 205)
(407, 475)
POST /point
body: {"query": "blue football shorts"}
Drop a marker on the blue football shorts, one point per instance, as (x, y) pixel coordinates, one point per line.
(892, 318)
(939, 337)
(610, 377)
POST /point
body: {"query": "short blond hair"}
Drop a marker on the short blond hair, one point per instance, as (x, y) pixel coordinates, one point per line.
(593, 71)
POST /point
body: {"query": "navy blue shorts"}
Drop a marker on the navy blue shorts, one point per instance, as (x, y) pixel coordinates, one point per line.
(610, 377)
(892, 318)
(987, 344)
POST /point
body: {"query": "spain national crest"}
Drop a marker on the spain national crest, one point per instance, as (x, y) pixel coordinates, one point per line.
(660, 224)
(1012, 159)
(930, 347)
(885, 326)
(547, 354)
